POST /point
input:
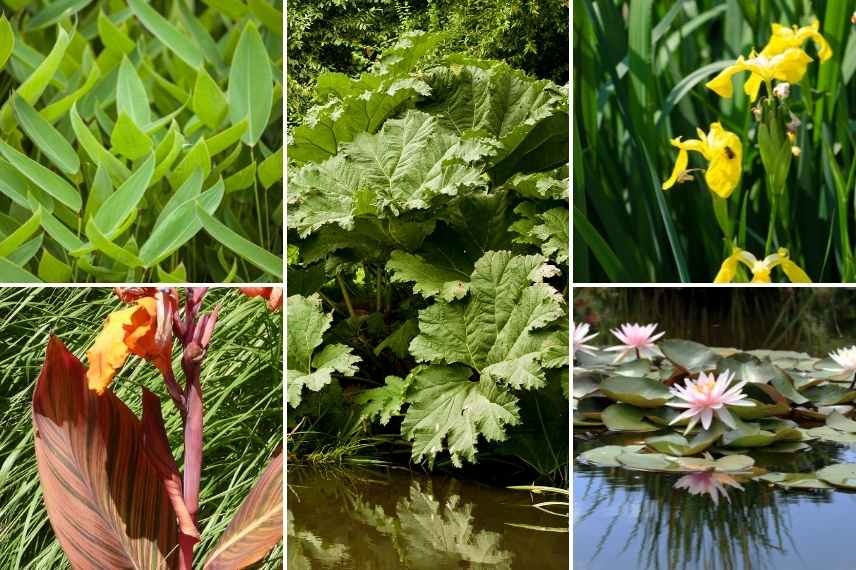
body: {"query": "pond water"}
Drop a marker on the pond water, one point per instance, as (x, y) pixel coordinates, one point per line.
(634, 520)
(398, 519)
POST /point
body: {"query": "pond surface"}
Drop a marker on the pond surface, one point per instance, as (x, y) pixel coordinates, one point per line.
(398, 519)
(632, 520)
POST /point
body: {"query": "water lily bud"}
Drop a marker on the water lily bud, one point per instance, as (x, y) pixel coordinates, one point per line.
(782, 90)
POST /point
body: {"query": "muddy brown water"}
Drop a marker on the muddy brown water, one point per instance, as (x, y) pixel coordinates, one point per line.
(383, 519)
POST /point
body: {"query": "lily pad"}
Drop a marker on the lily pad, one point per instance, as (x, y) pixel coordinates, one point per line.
(624, 417)
(840, 474)
(749, 368)
(691, 356)
(786, 447)
(752, 435)
(826, 433)
(669, 464)
(642, 392)
(584, 383)
(785, 385)
(839, 422)
(795, 480)
(829, 395)
(676, 444)
(605, 456)
(634, 368)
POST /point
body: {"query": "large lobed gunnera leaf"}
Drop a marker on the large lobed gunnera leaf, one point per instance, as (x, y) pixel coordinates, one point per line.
(449, 411)
(501, 328)
(404, 167)
(491, 99)
(307, 366)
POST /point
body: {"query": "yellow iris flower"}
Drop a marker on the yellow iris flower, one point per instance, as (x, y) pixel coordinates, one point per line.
(760, 268)
(785, 38)
(781, 59)
(724, 153)
(789, 66)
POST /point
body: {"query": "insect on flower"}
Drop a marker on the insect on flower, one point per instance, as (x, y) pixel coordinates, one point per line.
(707, 397)
(724, 153)
(638, 339)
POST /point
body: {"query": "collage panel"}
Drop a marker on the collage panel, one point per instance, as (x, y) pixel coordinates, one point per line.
(713, 427)
(141, 428)
(428, 284)
(142, 141)
(713, 141)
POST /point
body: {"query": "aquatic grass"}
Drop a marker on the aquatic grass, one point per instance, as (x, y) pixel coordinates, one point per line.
(242, 381)
(640, 66)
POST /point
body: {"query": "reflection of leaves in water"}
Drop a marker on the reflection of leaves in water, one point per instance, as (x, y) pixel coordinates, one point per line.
(304, 548)
(674, 529)
(427, 534)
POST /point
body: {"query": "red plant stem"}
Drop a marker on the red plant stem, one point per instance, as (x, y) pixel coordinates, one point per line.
(193, 443)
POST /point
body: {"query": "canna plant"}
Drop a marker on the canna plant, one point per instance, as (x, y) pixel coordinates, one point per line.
(140, 141)
(112, 488)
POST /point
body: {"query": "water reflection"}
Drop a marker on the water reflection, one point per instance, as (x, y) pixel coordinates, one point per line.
(358, 519)
(629, 519)
(708, 483)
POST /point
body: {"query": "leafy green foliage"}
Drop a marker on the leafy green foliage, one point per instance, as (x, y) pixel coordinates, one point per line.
(411, 192)
(142, 140)
(346, 36)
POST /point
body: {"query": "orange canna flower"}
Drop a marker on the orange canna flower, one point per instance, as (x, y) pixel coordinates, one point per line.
(273, 295)
(133, 330)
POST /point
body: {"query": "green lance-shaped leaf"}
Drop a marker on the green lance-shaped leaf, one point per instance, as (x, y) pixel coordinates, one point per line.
(128, 140)
(501, 329)
(7, 40)
(257, 526)
(11, 272)
(122, 202)
(53, 12)
(257, 256)
(168, 34)
(251, 84)
(209, 103)
(307, 366)
(104, 498)
(33, 87)
(17, 238)
(131, 96)
(48, 140)
(449, 411)
(42, 177)
(177, 222)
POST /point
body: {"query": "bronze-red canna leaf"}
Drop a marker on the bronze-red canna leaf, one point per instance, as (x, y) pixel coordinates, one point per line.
(106, 502)
(257, 526)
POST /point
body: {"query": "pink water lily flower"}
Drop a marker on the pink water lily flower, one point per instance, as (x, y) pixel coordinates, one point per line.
(638, 339)
(708, 397)
(708, 483)
(580, 339)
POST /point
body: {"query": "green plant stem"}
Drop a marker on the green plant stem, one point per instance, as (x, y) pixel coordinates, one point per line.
(771, 228)
(345, 295)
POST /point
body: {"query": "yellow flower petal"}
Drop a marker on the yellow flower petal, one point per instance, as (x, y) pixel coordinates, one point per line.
(794, 272)
(680, 167)
(727, 271)
(721, 84)
(784, 38)
(753, 86)
(126, 331)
